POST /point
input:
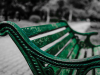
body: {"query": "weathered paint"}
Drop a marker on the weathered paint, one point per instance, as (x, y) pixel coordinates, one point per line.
(35, 57)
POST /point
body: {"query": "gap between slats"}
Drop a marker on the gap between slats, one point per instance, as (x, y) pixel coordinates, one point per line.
(73, 55)
(84, 53)
(48, 33)
(53, 43)
(58, 46)
(64, 53)
(34, 30)
(96, 51)
(41, 42)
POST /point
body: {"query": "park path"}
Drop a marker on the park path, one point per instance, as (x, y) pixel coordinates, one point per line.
(11, 60)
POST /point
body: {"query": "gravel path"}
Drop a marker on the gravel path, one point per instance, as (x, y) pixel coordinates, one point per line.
(11, 60)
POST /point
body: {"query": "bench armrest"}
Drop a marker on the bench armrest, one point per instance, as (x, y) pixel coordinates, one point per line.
(86, 34)
(87, 41)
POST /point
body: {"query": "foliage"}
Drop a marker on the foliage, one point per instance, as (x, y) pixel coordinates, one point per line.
(81, 4)
(75, 8)
(34, 18)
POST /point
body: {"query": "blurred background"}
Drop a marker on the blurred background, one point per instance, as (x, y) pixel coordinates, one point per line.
(37, 12)
(47, 10)
(81, 15)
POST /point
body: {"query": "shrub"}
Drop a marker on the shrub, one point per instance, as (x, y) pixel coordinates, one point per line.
(34, 18)
(54, 19)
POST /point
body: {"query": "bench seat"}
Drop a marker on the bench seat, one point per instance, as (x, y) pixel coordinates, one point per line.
(55, 49)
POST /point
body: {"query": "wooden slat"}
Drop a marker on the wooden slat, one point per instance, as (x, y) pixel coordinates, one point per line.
(96, 51)
(54, 43)
(55, 48)
(72, 56)
(47, 33)
(70, 46)
(80, 56)
(64, 72)
(74, 72)
(89, 54)
(41, 42)
(64, 54)
(33, 30)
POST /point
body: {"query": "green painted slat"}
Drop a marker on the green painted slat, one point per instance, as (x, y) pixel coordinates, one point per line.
(81, 53)
(73, 55)
(89, 54)
(80, 56)
(75, 52)
(64, 72)
(33, 30)
(97, 71)
(41, 42)
(74, 72)
(64, 54)
(55, 48)
(96, 51)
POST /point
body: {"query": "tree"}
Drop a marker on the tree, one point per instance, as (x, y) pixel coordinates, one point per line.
(79, 4)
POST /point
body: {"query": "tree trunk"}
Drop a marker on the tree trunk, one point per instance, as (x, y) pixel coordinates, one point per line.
(70, 15)
(6, 16)
(48, 16)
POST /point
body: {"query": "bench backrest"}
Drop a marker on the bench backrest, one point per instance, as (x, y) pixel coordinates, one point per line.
(57, 39)
(52, 37)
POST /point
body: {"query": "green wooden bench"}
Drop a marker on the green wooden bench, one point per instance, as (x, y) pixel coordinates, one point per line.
(55, 49)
